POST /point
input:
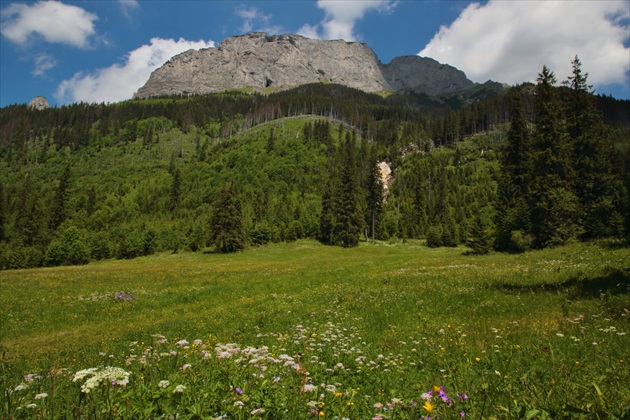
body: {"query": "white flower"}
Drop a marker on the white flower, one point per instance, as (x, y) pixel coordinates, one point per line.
(31, 405)
(83, 373)
(164, 383)
(257, 411)
(179, 389)
(331, 388)
(182, 343)
(110, 374)
(41, 396)
(186, 366)
(309, 388)
(20, 387)
(239, 404)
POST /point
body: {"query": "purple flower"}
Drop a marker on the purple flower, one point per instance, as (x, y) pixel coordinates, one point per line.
(443, 395)
(462, 396)
(239, 391)
(462, 414)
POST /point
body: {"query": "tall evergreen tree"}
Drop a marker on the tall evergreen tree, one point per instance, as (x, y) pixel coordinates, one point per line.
(374, 198)
(512, 195)
(555, 207)
(227, 230)
(348, 215)
(58, 212)
(597, 189)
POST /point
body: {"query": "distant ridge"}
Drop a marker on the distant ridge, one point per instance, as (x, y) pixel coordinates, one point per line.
(260, 62)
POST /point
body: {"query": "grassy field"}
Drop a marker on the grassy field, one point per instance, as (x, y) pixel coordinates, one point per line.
(301, 330)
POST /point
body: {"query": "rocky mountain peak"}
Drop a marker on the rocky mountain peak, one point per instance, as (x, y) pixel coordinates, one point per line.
(261, 62)
(38, 103)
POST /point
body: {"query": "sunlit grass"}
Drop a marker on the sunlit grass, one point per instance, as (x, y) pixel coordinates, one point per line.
(373, 328)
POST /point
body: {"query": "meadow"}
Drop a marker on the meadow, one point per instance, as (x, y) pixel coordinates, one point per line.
(300, 330)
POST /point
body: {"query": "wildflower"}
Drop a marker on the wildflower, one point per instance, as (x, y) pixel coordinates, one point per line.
(396, 401)
(443, 395)
(426, 396)
(462, 396)
(378, 406)
(182, 343)
(276, 379)
(197, 342)
(31, 405)
(164, 384)
(309, 388)
(31, 377)
(257, 411)
(111, 374)
(436, 388)
(179, 389)
(462, 414)
(20, 387)
(477, 359)
(338, 394)
(186, 366)
(428, 406)
(41, 396)
(321, 414)
(239, 404)
(239, 391)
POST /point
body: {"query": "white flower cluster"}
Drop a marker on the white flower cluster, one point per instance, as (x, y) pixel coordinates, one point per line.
(109, 374)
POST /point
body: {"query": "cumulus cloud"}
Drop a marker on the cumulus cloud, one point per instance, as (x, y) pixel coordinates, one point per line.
(52, 21)
(341, 16)
(510, 41)
(119, 81)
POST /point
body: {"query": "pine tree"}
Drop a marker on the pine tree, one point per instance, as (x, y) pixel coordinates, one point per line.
(176, 190)
(348, 215)
(597, 189)
(374, 198)
(555, 207)
(58, 212)
(512, 195)
(227, 230)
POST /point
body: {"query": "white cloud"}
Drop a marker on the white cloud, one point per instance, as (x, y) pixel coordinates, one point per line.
(43, 62)
(510, 41)
(255, 19)
(119, 81)
(53, 21)
(128, 6)
(341, 16)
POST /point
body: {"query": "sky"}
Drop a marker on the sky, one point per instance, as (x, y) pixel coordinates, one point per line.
(103, 51)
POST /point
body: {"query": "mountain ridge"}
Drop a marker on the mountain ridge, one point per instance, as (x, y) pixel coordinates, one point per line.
(262, 62)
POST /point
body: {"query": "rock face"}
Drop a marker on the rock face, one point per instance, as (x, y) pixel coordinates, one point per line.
(258, 62)
(39, 103)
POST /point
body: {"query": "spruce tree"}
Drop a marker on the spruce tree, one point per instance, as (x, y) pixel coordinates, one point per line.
(227, 230)
(348, 215)
(597, 189)
(554, 206)
(512, 194)
(58, 212)
(374, 198)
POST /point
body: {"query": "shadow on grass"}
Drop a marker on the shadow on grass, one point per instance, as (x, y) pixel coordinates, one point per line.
(614, 282)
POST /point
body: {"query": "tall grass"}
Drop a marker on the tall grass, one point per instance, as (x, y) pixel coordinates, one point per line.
(306, 331)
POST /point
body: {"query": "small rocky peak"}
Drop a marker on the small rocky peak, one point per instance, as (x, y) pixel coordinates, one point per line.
(38, 103)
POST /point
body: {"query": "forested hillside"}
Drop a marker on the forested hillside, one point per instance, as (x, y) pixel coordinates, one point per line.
(87, 182)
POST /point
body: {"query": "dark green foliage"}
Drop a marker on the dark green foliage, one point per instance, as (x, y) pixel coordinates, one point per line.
(434, 236)
(374, 208)
(68, 248)
(227, 232)
(139, 177)
(480, 238)
(58, 211)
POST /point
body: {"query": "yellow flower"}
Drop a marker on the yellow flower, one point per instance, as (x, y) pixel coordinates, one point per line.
(321, 414)
(338, 394)
(436, 388)
(428, 406)
(477, 359)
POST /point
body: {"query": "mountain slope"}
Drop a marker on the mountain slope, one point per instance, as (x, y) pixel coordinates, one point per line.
(261, 62)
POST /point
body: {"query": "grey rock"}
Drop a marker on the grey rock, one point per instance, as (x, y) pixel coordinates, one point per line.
(259, 62)
(123, 297)
(38, 103)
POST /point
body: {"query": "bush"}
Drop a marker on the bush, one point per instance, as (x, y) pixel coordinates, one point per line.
(520, 241)
(68, 249)
(434, 236)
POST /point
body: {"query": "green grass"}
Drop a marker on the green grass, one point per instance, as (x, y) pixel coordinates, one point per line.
(538, 335)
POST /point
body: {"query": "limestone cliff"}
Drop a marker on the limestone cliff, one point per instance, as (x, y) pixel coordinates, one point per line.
(258, 61)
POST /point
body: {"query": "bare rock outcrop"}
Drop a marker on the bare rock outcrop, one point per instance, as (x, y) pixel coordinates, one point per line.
(258, 61)
(38, 103)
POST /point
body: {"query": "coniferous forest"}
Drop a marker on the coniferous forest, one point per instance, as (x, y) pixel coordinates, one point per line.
(537, 166)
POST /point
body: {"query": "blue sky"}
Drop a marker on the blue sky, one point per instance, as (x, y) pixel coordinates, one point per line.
(103, 51)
